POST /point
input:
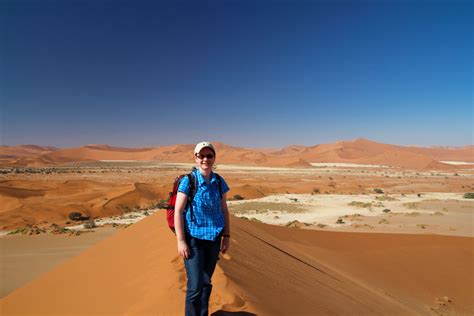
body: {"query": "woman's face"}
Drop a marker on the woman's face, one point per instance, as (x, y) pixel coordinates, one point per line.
(205, 159)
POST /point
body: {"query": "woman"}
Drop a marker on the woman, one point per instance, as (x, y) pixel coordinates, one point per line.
(202, 230)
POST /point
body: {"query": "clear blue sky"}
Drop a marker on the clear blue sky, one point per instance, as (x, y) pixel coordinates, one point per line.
(247, 73)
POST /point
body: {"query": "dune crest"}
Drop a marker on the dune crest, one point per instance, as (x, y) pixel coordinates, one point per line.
(269, 270)
(361, 151)
(135, 272)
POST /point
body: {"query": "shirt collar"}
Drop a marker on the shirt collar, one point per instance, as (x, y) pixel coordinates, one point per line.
(201, 180)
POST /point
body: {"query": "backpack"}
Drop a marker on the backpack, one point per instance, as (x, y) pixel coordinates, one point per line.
(189, 203)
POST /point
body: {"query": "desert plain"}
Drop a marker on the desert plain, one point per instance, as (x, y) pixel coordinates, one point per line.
(354, 227)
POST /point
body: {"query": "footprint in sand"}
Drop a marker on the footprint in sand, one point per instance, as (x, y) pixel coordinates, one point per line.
(442, 306)
(238, 304)
(225, 256)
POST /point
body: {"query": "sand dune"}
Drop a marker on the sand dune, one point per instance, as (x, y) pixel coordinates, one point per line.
(25, 155)
(356, 151)
(299, 163)
(135, 272)
(465, 153)
(362, 151)
(269, 270)
(52, 201)
(25, 150)
(405, 159)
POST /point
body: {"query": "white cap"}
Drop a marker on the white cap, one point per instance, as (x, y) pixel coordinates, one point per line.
(202, 145)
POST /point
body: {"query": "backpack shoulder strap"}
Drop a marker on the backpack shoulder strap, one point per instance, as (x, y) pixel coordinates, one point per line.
(192, 192)
(192, 185)
(219, 184)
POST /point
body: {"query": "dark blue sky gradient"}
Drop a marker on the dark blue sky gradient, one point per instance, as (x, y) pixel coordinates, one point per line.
(249, 73)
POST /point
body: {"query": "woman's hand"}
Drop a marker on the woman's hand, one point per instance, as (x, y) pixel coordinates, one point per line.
(183, 249)
(225, 243)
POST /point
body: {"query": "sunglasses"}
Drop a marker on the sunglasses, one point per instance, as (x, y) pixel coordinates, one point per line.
(208, 156)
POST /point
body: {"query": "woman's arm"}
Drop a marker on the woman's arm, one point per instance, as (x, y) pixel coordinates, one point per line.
(180, 204)
(226, 239)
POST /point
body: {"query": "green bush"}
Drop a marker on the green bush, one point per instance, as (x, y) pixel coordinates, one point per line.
(162, 204)
(469, 195)
(90, 224)
(75, 216)
(360, 204)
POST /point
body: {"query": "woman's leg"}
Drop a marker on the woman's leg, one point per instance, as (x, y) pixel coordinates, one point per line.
(211, 255)
(195, 274)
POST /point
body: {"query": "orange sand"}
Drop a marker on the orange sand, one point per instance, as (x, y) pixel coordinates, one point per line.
(269, 270)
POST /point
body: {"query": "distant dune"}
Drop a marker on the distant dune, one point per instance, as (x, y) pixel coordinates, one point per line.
(41, 202)
(269, 270)
(361, 151)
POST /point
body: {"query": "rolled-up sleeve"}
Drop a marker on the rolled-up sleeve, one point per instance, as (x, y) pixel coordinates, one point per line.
(184, 185)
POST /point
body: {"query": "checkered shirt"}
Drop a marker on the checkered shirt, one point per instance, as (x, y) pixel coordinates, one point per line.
(208, 220)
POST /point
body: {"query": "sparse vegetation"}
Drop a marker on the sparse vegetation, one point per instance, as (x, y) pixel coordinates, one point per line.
(438, 213)
(162, 204)
(340, 221)
(378, 191)
(413, 214)
(77, 216)
(383, 221)
(385, 198)
(292, 223)
(360, 204)
(422, 226)
(353, 217)
(411, 205)
(238, 197)
(265, 207)
(28, 230)
(386, 210)
(362, 226)
(18, 231)
(469, 195)
(365, 204)
(90, 224)
(61, 230)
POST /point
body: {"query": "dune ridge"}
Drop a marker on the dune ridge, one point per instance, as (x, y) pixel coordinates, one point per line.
(361, 151)
(135, 272)
(269, 271)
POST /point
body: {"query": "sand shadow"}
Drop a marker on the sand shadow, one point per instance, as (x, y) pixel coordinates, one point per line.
(225, 313)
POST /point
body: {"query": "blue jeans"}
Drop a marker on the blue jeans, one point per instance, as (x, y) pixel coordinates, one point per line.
(199, 269)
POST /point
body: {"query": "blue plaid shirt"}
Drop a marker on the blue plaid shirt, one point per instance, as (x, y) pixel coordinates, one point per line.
(208, 220)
